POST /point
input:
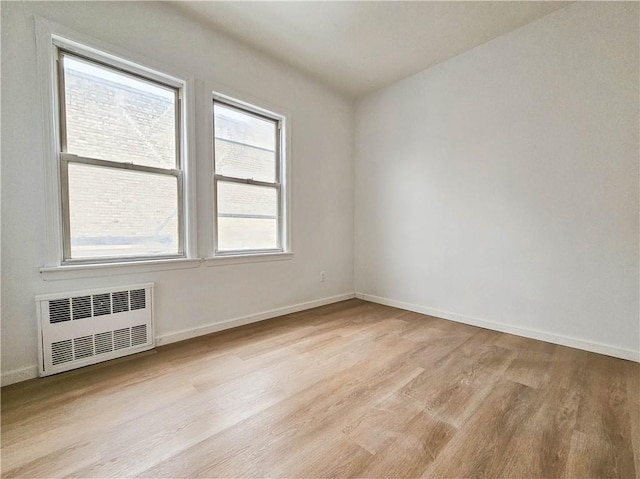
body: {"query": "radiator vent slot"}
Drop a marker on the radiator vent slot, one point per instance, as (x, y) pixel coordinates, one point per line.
(81, 307)
(59, 310)
(138, 299)
(83, 347)
(122, 338)
(104, 342)
(61, 352)
(82, 328)
(101, 304)
(120, 301)
(139, 334)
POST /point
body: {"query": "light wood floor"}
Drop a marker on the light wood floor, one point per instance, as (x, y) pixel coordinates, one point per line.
(352, 389)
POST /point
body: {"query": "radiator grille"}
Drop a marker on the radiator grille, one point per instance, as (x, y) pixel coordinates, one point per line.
(83, 328)
(92, 345)
(83, 307)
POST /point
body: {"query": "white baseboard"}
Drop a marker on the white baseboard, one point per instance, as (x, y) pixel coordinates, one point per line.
(253, 318)
(585, 345)
(30, 372)
(18, 375)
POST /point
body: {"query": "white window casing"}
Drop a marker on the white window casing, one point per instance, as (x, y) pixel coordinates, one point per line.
(254, 107)
(53, 40)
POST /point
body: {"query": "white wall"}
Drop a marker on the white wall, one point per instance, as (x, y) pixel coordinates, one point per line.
(501, 187)
(322, 175)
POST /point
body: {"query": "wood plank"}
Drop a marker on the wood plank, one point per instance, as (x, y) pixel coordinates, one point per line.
(384, 422)
(590, 457)
(464, 377)
(477, 451)
(530, 367)
(633, 396)
(411, 452)
(604, 417)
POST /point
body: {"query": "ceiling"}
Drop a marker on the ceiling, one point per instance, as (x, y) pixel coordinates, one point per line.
(358, 47)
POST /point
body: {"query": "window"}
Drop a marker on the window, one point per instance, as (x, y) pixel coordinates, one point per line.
(120, 162)
(248, 180)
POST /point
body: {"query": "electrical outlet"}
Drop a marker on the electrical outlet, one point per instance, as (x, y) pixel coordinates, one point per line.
(323, 276)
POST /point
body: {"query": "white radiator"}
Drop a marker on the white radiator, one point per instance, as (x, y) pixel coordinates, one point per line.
(87, 327)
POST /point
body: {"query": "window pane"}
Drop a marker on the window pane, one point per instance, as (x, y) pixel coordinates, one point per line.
(117, 117)
(241, 161)
(245, 144)
(247, 217)
(117, 212)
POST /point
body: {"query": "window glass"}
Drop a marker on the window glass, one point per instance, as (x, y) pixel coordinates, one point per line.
(121, 213)
(242, 126)
(247, 217)
(244, 145)
(118, 117)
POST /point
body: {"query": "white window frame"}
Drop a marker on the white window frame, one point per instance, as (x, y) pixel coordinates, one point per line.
(281, 119)
(49, 38)
(66, 158)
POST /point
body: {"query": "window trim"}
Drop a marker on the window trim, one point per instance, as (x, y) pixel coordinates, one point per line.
(283, 250)
(51, 36)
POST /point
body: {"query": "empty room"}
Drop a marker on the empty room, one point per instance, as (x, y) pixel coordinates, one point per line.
(320, 239)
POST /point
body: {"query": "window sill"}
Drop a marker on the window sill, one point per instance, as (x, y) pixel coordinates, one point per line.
(54, 273)
(247, 258)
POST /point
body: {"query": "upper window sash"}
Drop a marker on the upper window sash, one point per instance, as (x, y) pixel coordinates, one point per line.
(277, 122)
(64, 52)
